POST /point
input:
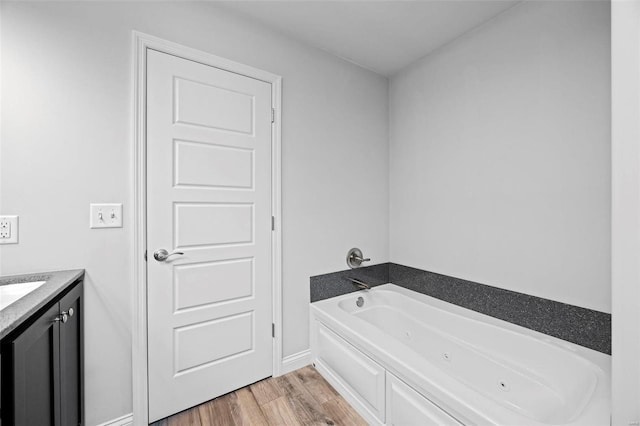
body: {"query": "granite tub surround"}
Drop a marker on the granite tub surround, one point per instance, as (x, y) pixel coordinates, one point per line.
(337, 283)
(20, 310)
(585, 327)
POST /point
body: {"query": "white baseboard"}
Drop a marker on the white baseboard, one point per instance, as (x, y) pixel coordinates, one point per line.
(295, 361)
(126, 420)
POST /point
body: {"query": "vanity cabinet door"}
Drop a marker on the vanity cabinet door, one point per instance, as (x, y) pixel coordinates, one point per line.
(36, 374)
(71, 358)
(42, 365)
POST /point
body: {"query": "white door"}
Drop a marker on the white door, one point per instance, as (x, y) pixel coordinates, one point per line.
(209, 197)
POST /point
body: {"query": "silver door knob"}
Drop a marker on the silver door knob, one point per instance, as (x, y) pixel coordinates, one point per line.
(161, 255)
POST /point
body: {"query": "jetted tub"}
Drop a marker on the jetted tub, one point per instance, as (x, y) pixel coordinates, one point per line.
(407, 358)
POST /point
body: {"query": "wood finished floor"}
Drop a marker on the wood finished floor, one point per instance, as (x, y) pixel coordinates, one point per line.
(301, 397)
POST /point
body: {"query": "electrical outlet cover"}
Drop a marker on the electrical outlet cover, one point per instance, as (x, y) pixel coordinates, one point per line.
(8, 229)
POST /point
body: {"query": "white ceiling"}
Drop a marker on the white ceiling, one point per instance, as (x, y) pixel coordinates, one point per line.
(383, 36)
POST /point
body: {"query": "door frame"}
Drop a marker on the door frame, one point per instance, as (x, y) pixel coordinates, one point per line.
(141, 43)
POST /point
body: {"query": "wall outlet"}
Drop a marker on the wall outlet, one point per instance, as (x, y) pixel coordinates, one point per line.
(105, 216)
(8, 229)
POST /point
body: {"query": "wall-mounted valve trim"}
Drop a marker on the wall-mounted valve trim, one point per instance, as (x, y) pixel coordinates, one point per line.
(355, 258)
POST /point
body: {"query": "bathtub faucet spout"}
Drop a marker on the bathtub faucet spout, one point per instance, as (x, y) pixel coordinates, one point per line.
(360, 284)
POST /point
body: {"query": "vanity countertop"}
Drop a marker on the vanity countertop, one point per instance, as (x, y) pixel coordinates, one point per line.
(20, 310)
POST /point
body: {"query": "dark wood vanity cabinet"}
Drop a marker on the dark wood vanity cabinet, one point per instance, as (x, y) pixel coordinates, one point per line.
(42, 366)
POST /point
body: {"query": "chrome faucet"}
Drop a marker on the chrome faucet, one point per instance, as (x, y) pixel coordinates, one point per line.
(360, 284)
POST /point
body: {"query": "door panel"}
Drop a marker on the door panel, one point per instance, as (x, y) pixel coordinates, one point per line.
(202, 104)
(71, 343)
(212, 282)
(213, 224)
(213, 166)
(200, 344)
(36, 373)
(208, 196)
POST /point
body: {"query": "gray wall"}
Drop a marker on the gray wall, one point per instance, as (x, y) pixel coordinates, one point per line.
(500, 155)
(67, 142)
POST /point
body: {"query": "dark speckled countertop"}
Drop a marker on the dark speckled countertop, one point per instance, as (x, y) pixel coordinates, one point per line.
(20, 310)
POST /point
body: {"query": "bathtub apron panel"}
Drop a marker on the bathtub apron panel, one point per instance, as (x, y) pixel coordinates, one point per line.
(405, 407)
(358, 372)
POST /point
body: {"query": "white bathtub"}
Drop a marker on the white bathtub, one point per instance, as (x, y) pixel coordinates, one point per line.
(407, 358)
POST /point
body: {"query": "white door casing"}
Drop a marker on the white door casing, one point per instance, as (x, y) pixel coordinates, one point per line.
(209, 191)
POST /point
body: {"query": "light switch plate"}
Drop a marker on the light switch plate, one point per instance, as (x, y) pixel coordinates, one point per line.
(105, 216)
(8, 229)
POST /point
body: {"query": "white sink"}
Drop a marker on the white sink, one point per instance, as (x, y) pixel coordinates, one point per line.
(12, 292)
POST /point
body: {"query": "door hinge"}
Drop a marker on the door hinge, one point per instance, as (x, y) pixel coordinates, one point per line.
(273, 330)
(145, 255)
(273, 223)
(273, 115)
